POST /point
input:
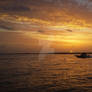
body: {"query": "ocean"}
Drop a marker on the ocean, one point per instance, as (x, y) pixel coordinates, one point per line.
(45, 73)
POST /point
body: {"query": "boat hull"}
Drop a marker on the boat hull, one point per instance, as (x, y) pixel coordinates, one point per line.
(83, 57)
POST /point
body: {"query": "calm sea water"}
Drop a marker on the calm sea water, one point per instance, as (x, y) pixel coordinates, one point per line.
(45, 73)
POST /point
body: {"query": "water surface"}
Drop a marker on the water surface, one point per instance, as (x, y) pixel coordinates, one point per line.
(45, 73)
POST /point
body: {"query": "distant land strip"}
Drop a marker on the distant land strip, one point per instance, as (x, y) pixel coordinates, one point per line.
(46, 53)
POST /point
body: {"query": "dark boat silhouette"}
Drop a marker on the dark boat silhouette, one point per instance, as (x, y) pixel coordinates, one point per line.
(83, 55)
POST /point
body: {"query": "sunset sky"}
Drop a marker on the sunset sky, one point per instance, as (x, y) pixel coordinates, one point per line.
(45, 26)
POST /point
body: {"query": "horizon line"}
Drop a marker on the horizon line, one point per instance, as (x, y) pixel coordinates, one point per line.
(47, 53)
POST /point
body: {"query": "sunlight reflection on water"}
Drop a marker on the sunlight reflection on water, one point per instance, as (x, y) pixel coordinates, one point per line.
(54, 73)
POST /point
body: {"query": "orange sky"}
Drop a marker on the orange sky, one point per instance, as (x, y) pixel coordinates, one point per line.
(46, 26)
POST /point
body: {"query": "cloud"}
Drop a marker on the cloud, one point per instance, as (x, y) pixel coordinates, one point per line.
(70, 13)
(14, 9)
(69, 30)
(57, 20)
(6, 27)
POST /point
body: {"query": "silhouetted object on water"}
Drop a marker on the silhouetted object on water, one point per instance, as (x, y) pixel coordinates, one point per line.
(83, 55)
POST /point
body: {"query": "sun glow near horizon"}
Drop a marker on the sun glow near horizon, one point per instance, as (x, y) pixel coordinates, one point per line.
(70, 38)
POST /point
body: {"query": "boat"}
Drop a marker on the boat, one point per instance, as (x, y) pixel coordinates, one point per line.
(83, 55)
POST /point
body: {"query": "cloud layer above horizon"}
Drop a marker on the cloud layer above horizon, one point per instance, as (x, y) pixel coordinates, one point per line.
(69, 13)
(44, 18)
